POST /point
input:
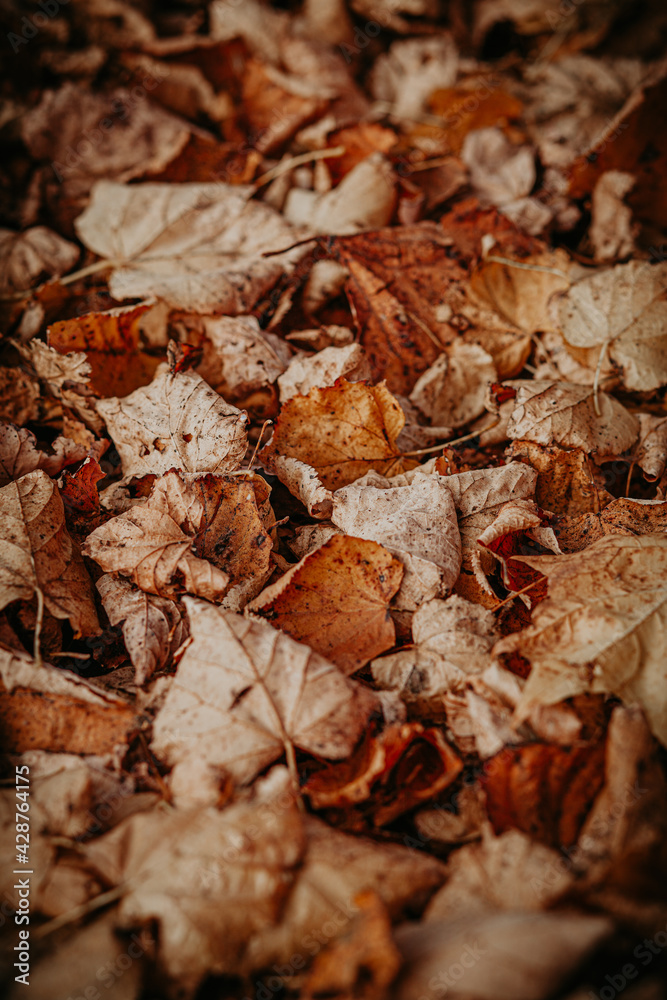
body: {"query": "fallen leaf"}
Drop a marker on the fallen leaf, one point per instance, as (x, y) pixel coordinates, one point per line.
(500, 172)
(544, 791)
(359, 141)
(197, 246)
(336, 600)
(557, 413)
(322, 369)
(39, 555)
(622, 311)
(79, 489)
(416, 523)
(27, 256)
(20, 454)
(19, 395)
(600, 628)
(652, 450)
(46, 708)
(153, 627)
(565, 483)
(623, 516)
(470, 108)
(612, 230)
(341, 431)
(452, 391)
(264, 692)
(521, 295)
(110, 341)
(177, 421)
(411, 70)
(388, 775)
(365, 199)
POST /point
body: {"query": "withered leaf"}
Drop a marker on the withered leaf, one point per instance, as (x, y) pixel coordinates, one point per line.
(177, 421)
(39, 555)
(336, 600)
(601, 628)
(623, 516)
(20, 454)
(565, 483)
(243, 691)
(37, 251)
(197, 246)
(342, 431)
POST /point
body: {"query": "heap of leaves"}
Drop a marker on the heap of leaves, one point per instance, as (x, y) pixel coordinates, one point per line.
(333, 498)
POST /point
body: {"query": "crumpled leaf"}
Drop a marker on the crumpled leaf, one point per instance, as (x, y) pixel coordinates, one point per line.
(652, 450)
(564, 414)
(565, 483)
(341, 431)
(416, 523)
(389, 774)
(602, 627)
(153, 627)
(178, 872)
(110, 341)
(177, 421)
(452, 391)
(624, 310)
(197, 246)
(452, 639)
(27, 255)
(39, 555)
(19, 395)
(47, 708)
(336, 600)
(20, 454)
(323, 369)
(243, 692)
(623, 516)
(364, 199)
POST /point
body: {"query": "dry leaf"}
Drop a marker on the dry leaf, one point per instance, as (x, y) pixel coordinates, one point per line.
(364, 199)
(612, 230)
(623, 516)
(110, 341)
(564, 414)
(197, 246)
(623, 311)
(323, 369)
(153, 627)
(600, 629)
(336, 600)
(244, 692)
(452, 392)
(177, 421)
(341, 431)
(565, 483)
(24, 257)
(411, 70)
(521, 294)
(19, 454)
(500, 172)
(416, 523)
(46, 708)
(40, 556)
(652, 450)
(19, 394)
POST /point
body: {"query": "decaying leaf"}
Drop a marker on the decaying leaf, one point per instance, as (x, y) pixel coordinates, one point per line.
(453, 390)
(39, 556)
(336, 600)
(153, 627)
(323, 369)
(20, 454)
(177, 421)
(37, 251)
(623, 311)
(341, 431)
(244, 692)
(620, 517)
(601, 627)
(565, 483)
(197, 246)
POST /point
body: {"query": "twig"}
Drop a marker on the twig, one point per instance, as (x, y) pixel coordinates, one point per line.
(436, 447)
(517, 592)
(528, 267)
(36, 652)
(297, 161)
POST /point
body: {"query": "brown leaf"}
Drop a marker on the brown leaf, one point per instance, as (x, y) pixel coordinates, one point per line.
(39, 554)
(388, 775)
(19, 394)
(177, 421)
(416, 523)
(79, 489)
(46, 708)
(565, 484)
(521, 295)
(26, 256)
(153, 627)
(110, 341)
(564, 414)
(623, 516)
(20, 454)
(466, 109)
(452, 391)
(544, 791)
(196, 246)
(342, 431)
(336, 600)
(263, 692)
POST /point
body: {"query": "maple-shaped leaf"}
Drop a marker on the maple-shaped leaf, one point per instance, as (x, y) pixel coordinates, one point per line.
(110, 341)
(178, 422)
(336, 600)
(20, 453)
(622, 310)
(341, 431)
(47, 708)
(416, 523)
(38, 554)
(565, 414)
(197, 246)
(245, 693)
(602, 627)
(153, 627)
(193, 534)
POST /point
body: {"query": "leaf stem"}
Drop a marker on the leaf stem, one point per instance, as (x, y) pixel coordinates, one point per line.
(36, 652)
(297, 161)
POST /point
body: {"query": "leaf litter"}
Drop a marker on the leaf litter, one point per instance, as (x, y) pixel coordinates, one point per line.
(333, 477)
